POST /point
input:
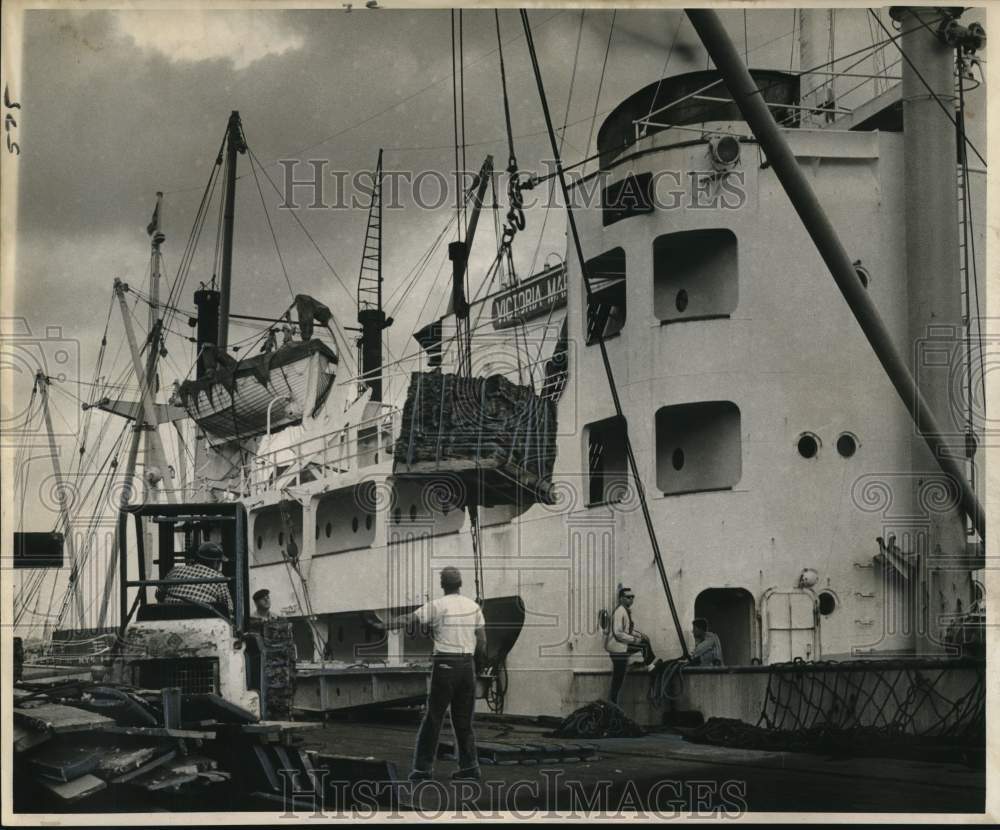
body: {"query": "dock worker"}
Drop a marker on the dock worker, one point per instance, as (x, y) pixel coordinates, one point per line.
(622, 641)
(707, 649)
(262, 605)
(206, 563)
(459, 631)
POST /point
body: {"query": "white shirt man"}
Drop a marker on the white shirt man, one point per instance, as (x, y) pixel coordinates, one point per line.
(453, 621)
(458, 627)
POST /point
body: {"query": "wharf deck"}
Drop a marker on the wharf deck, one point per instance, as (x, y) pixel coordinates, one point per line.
(661, 771)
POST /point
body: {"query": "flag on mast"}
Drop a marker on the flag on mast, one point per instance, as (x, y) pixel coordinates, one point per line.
(154, 224)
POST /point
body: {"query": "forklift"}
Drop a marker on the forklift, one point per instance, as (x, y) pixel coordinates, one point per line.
(180, 706)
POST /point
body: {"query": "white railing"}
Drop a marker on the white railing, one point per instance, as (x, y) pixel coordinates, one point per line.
(349, 448)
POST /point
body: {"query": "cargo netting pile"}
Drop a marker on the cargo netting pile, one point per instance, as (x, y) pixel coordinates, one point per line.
(882, 708)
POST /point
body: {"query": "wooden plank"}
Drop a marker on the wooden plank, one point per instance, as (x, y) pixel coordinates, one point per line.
(202, 706)
(59, 718)
(70, 791)
(115, 761)
(267, 767)
(140, 771)
(157, 732)
(193, 764)
(274, 727)
(353, 768)
(165, 780)
(60, 762)
(25, 739)
(45, 680)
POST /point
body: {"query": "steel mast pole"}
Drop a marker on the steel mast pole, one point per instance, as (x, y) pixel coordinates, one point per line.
(234, 145)
(751, 103)
(612, 385)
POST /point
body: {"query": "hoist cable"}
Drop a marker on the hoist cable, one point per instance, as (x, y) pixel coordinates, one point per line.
(609, 372)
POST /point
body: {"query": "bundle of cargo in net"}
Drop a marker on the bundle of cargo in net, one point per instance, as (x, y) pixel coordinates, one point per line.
(497, 436)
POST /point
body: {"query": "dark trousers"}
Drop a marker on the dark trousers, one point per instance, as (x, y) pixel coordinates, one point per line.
(453, 683)
(619, 664)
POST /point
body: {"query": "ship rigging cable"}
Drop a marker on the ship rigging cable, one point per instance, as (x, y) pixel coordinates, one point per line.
(609, 372)
(971, 284)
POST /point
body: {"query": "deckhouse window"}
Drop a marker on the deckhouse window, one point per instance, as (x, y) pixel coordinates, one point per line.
(632, 196)
(698, 447)
(606, 463)
(606, 304)
(695, 275)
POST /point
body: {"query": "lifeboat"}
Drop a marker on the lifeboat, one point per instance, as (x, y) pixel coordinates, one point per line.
(239, 399)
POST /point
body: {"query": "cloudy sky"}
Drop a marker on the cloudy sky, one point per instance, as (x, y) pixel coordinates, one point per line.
(117, 105)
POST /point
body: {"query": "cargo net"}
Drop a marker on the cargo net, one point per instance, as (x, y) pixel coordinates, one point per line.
(598, 719)
(863, 708)
(499, 437)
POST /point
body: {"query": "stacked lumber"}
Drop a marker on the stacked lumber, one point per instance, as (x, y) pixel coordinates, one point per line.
(63, 748)
(495, 433)
(279, 667)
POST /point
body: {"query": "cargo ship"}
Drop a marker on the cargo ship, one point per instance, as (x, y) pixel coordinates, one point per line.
(715, 421)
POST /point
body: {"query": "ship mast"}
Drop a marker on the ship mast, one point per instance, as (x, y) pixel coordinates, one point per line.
(42, 386)
(371, 316)
(234, 144)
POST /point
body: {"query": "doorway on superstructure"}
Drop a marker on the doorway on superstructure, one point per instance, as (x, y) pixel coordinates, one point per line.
(731, 615)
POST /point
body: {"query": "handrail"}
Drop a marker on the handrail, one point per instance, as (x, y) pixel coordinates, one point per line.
(205, 580)
(336, 448)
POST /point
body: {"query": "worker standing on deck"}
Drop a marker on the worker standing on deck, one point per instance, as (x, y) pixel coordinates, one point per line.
(622, 640)
(205, 564)
(707, 649)
(459, 631)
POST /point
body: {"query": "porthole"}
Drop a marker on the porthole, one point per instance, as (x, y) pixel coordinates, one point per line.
(827, 603)
(847, 445)
(808, 445)
(260, 542)
(317, 530)
(369, 521)
(397, 515)
(677, 459)
(354, 524)
(413, 512)
(682, 300)
(329, 530)
(281, 539)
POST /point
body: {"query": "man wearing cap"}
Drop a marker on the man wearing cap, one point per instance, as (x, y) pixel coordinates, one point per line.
(205, 564)
(459, 631)
(262, 605)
